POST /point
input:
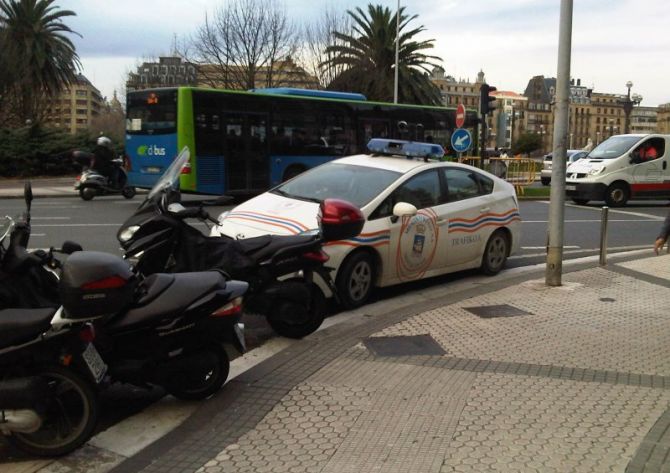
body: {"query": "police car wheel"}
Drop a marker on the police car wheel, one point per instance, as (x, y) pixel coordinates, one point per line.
(495, 254)
(355, 278)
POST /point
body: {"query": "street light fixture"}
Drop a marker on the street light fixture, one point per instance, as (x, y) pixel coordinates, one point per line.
(628, 103)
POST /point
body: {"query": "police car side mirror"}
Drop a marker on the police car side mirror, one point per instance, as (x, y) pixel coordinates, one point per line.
(402, 209)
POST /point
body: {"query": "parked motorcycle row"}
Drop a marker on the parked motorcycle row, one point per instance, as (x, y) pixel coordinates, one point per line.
(167, 314)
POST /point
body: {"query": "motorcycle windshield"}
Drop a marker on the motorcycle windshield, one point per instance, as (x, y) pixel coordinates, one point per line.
(170, 178)
(151, 205)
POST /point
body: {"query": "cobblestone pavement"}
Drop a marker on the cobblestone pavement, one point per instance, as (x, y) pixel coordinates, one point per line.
(575, 378)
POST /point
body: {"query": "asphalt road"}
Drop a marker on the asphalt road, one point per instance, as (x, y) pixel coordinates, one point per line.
(94, 224)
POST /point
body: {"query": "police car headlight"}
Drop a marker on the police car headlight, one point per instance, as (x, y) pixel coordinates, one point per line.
(596, 170)
(128, 233)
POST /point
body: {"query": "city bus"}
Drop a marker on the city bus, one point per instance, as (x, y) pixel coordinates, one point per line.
(245, 142)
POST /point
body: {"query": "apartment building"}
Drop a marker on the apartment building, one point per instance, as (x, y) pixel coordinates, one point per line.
(76, 107)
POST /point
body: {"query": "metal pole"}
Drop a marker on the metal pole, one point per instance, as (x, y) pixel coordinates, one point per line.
(557, 194)
(603, 235)
(397, 42)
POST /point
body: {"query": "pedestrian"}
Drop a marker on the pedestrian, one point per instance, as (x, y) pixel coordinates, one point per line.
(663, 236)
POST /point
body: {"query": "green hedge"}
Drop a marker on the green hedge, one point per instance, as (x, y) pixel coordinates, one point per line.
(36, 151)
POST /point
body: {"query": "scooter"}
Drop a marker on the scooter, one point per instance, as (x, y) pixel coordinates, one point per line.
(167, 329)
(91, 183)
(286, 274)
(48, 366)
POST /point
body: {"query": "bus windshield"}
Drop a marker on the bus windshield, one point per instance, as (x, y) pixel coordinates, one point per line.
(613, 147)
(152, 113)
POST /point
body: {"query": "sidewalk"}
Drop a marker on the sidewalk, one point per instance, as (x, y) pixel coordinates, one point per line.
(484, 374)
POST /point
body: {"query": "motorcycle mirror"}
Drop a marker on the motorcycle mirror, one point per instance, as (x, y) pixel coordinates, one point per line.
(28, 194)
(70, 247)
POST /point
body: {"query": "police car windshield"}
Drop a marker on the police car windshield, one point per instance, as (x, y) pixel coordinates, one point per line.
(357, 184)
(613, 147)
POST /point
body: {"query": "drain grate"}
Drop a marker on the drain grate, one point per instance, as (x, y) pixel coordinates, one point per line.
(414, 345)
(491, 311)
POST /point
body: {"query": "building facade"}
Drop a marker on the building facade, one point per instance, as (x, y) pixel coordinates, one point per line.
(76, 107)
(455, 91)
(644, 120)
(167, 72)
(507, 121)
(663, 119)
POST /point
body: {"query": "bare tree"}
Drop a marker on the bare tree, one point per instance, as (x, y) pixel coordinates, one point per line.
(317, 37)
(244, 44)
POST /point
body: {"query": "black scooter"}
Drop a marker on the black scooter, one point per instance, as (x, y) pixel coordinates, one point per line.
(167, 329)
(286, 274)
(48, 404)
(91, 182)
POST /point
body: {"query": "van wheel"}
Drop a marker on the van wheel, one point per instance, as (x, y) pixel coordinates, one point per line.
(355, 279)
(617, 194)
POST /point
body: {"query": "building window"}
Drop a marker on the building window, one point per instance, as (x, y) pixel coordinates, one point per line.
(81, 111)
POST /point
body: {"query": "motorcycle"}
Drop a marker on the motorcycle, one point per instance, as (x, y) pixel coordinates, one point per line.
(288, 282)
(49, 367)
(91, 182)
(171, 330)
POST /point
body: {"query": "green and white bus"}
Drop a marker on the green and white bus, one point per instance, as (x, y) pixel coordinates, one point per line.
(247, 142)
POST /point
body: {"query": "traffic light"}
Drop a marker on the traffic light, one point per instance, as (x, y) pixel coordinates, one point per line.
(486, 102)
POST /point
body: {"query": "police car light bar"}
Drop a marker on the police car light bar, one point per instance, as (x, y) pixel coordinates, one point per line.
(410, 149)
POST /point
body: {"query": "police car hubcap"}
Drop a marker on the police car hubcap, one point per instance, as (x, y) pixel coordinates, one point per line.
(361, 278)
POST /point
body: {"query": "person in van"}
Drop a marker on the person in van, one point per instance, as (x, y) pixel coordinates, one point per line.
(647, 152)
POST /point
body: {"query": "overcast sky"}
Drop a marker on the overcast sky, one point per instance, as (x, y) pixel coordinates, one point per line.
(613, 41)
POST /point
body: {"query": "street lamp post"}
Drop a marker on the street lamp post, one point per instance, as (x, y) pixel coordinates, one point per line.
(628, 103)
(597, 137)
(397, 46)
(571, 140)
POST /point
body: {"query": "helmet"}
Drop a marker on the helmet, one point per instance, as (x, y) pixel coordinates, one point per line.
(104, 141)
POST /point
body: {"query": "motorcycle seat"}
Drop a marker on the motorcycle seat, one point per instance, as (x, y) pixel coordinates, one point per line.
(250, 245)
(154, 285)
(19, 326)
(281, 242)
(185, 289)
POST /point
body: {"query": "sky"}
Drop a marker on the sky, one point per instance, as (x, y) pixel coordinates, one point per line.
(613, 41)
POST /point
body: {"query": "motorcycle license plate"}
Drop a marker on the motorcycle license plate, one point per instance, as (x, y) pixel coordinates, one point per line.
(153, 170)
(95, 365)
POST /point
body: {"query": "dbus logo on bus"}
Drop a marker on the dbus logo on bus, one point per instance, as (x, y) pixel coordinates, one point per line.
(153, 150)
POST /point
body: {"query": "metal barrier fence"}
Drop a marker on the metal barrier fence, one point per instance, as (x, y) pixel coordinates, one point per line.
(519, 172)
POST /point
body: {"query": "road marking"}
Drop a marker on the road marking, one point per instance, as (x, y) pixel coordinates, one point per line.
(544, 247)
(586, 250)
(78, 225)
(623, 212)
(648, 220)
(50, 218)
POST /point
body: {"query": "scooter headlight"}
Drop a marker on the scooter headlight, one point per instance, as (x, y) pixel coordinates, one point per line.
(128, 233)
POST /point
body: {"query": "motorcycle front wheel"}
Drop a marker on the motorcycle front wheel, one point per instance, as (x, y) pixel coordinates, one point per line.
(87, 193)
(69, 413)
(203, 378)
(291, 319)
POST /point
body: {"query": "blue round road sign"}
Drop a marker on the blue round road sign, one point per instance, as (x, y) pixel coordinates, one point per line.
(461, 140)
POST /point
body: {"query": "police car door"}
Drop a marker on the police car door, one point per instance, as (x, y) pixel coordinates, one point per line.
(469, 210)
(414, 244)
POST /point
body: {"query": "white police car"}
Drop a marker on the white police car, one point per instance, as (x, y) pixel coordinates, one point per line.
(423, 217)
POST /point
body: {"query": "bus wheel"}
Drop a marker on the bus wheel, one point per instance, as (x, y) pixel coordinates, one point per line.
(617, 194)
(292, 171)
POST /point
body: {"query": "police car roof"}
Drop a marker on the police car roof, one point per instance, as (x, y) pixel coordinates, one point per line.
(405, 149)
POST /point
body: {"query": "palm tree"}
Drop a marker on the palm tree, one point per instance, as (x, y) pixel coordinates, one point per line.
(369, 58)
(38, 58)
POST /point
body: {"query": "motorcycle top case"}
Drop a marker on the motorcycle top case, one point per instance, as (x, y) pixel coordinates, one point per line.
(94, 284)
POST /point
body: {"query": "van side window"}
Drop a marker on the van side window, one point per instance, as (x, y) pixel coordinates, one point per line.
(651, 149)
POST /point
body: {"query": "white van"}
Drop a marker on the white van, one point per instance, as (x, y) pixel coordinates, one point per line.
(620, 168)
